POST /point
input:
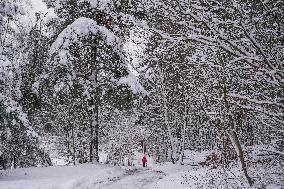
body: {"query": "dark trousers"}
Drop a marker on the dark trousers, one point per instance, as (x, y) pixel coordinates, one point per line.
(144, 164)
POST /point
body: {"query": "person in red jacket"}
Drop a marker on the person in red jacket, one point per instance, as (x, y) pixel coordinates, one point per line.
(144, 161)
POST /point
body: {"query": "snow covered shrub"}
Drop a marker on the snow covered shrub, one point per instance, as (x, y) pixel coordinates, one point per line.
(18, 140)
(212, 178)
(213, 160)
(18, 146)
(265, 165)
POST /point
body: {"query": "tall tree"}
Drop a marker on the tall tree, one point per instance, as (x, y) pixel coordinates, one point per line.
(86, 63)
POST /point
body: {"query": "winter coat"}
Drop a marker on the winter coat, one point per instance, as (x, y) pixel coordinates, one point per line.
(144, 159)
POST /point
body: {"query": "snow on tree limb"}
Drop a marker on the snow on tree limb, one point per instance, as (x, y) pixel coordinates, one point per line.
(83, 27)
(133, 83)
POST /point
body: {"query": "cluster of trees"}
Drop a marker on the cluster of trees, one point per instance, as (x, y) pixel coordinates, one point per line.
(210, 77)
(215, 67)
(70, 81)
(18, 140)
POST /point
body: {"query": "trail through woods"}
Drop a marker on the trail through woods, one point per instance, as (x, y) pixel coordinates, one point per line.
(80, 177)
(135, 178)
(191, 175)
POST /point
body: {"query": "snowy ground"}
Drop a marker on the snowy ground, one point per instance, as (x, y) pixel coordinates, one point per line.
(166, 176)
(87, 176)
(61, 177)
(193, 176)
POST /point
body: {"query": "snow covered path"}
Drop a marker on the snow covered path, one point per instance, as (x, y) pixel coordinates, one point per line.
(135, 178)
(87, 176)
(156, 176)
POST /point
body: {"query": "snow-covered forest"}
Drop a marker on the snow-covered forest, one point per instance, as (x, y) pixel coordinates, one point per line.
(89, 87)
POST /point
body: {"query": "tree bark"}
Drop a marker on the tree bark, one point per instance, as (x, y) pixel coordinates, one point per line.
(94, 146)
(96, 139)
(231, 132)
(92, 138)
(236, 143)
(183, 140)
(166, 119)
(94, 105)
(73, 146)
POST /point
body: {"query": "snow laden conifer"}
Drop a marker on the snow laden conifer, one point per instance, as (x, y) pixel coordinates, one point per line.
(86, 64)
(19, 141)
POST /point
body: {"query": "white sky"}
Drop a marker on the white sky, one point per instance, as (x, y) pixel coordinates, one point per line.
(39, 6)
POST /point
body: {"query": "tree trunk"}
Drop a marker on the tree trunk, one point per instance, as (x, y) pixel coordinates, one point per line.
(73, 146)
(166, 120)
(96, 154)
(231, 132)
(69, 153)
(92, 138)
(94, 105)
(94, 146)
(236, 143)
(183, 141)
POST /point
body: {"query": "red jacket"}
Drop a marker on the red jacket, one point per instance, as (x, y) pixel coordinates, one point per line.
(144, 159)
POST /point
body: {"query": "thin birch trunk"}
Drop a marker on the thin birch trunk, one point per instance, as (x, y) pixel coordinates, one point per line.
(231, 131)
(166, 120)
